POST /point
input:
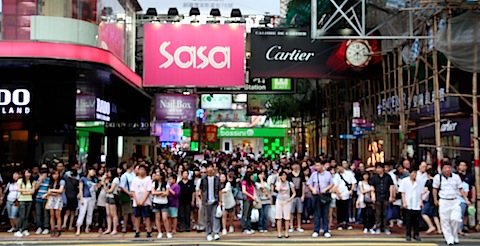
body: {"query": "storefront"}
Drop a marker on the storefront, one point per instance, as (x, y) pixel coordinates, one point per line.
(40, 113)
(267, 141)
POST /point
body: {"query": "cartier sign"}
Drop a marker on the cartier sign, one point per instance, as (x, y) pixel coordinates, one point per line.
(275, 53)
(14, 102)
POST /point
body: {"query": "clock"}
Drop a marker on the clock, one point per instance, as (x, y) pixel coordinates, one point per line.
(358, 53)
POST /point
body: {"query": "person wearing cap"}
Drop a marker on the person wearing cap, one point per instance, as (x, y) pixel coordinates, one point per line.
(447, 187)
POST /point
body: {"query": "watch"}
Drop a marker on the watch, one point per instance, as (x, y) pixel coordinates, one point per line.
(357, 53)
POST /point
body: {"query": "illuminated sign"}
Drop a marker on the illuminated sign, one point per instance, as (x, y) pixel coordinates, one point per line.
(14, 102)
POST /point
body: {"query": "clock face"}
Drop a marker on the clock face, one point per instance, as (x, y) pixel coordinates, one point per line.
(357, 54)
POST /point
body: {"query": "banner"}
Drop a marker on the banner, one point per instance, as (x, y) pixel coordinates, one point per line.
(111, 37)
(168, 132)
(248, 7)
(209, 133)
(258, 104)
(216, 101)
(175, 107)
(226, 115)
(194, 55)
(291, 53)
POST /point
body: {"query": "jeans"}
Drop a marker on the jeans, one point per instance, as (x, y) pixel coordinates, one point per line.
(412, 219)
(23, 213)
(12, 210)
(463, 206)
(247, 214)
(213, 224)
(263, 220)
(381, 214)
(320, 212)
(43, 215)
(184, 212)
(342, 212)
(307, 208)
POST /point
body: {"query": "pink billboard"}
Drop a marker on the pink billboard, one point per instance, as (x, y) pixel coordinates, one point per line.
(110, 37)
(194, 55)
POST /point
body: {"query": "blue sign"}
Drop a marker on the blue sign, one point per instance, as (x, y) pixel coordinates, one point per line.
(168, 132)
(356, 133)
(349, 136)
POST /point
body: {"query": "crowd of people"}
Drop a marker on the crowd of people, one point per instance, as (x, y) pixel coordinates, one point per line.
(179, 195)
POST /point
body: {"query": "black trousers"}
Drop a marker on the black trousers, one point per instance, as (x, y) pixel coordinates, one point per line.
(368, 216)
(412, 220)
(342, 212)
(184, 212)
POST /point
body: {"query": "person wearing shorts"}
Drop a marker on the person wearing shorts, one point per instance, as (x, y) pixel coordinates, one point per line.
(298, 179)
(71, 191)
(286, 193)
(125, 183)
(141, 189)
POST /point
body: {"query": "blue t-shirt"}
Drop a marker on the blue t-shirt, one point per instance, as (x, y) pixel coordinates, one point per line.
(466, 188)
(42, 190)
(87, 186)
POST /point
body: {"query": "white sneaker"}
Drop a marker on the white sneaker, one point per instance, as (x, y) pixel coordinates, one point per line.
(252, 231)
(11, 230)
(231, 229)
(308, 221)
(18, 234)
(327, 234)
(45, 232)
(39, 231)
(160, 235)
(291, 229)
(224, 232)
(169, 235)
(195, 227)
(299, 229)
(26, 233)
(216, 237)
(340, 228)
(209, 238)
(387, 232)
(372, 231)
(349, 228)
(365, 230)
(315, 234)
(247, 232)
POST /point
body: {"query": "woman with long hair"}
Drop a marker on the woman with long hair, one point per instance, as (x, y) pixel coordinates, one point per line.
(55, 202)
(308, 202)
(111, 188)
(160, 203)
(248, 190)
(12, 202)
(228, 205)
(286, 193)
(87, 189)
(264, 194)
(365, 203)
(26, 187)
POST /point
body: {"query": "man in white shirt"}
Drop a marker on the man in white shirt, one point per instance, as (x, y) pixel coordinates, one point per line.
(447, 187)
(422, 176)
(125, 187)
(345, 183)
(411, 191)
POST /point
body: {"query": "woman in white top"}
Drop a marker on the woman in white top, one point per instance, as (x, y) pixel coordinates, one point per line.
(160, 202)
(12, 203)
(228, 204)
(111, 188)
(364, 202)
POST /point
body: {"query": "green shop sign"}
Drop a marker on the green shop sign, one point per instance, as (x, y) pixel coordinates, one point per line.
(281, 84)
(250, 132)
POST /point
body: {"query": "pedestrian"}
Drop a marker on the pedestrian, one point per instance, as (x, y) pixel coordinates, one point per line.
(286, 193)
(320, 184)
(55, 202)
(263, 193)
(248, 190)
(447, 187)
(141, 189)
(71, 192)
(345, 184)
(87, 190)
(126, 197)
(42, 214)
(383, 195)
(111, 189)
(187, 196)
(298, 179)
(463, 203)
(411, 191)
(200, 209)
(11, 194)
(160, 203)
(365, 197)
(211, 197)
(228, 205)
(26, 188)
(173, 201)
(429, 208)
(308, 201)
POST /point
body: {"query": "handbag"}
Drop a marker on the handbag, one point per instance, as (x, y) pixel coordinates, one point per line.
(219, 212)
(258, 203)
(325, 198)
(124, 198)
